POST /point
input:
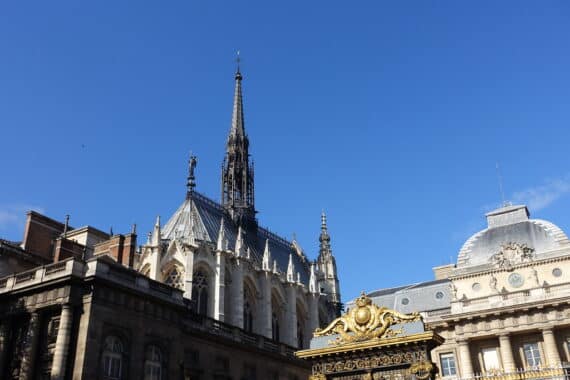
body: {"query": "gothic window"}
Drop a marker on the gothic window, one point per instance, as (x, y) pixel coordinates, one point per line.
(275, 327)
(448, 367)
(531, 354)
(247, 310)
(174, 278)
(153, 363)
(113, 358)
(200, 291)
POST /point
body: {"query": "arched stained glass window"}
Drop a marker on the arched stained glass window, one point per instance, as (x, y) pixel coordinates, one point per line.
(200, 291)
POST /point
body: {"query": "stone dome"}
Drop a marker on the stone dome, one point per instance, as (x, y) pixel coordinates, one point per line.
(511, 226)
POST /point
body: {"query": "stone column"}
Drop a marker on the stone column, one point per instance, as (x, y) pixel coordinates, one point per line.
(265, 309)
(30, 350)
(62, 343)
(291, 316)
(550, 349)
(465, 359)
(219, 286)
(506, 353)
(5, 328)
(237, 295)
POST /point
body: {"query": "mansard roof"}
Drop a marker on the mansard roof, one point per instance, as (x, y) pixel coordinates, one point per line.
(199, 218)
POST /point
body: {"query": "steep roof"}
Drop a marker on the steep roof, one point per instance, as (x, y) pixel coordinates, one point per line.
(199, 218)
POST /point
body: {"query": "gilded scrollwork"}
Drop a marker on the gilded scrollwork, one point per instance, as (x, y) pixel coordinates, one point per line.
(422, 370)
(365, 322)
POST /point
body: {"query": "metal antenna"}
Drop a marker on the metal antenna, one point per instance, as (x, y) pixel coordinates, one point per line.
(500, 179)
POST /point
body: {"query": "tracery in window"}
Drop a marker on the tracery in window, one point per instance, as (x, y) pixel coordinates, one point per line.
(175, 278)
(113, 357)
(153, 363)
(200, 291)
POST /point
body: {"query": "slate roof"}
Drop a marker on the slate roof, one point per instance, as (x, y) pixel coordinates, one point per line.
(421, 297)
(200, 217)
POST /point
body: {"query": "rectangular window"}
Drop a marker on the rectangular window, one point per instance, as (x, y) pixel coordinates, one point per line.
(490, 358)
(448, 367)
(531, 354)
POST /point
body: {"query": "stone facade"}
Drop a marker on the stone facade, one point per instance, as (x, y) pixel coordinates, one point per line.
(503, 309)
(100, 320)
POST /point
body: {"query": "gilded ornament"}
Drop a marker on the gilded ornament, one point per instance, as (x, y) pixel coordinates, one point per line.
(422, 369)
(365, 322)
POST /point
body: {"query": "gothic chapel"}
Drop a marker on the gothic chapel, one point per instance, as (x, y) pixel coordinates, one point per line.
(232, 269)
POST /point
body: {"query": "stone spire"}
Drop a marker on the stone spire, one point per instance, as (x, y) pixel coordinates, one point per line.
(313, 287)
(326, 263)
(291, 269)
(266, 260)
(324, 238)
(156, 232)
(240, 244)
(237, 171)
(222, 244)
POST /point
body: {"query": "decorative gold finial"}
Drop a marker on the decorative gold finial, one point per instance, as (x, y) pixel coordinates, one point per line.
(365, 322)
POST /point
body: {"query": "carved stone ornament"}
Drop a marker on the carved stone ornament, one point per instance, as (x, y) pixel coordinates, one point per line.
(512, 254)
(365, 322)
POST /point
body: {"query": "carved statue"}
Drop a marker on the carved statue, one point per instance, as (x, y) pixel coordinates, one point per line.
(511, 254)
(364, 322)
(453, 290)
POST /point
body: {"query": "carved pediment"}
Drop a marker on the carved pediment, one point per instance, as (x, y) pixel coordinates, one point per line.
(512, 254)
(365, 322)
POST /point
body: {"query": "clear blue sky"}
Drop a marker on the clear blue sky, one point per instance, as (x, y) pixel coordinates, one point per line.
(391, 116)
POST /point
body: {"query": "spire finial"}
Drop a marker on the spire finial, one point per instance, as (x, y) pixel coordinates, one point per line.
(323, 220)
(191, 184)
(238, 61)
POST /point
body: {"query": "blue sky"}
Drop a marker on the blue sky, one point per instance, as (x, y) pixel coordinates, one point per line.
(391, 116)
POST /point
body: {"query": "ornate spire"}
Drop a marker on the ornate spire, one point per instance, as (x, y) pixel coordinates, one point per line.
(237, 171)
(266, 260)
(324, 238)
(222, 244)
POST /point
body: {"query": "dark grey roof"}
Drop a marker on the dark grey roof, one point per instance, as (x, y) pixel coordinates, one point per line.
(210, 214)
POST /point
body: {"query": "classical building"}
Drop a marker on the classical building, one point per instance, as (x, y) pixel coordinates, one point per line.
(504, 307)
(233, 269)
